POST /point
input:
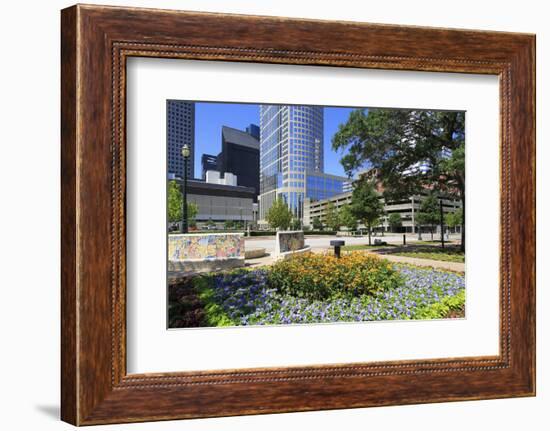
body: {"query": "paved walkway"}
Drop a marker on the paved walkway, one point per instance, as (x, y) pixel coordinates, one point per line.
(440, 264)
(323, 241)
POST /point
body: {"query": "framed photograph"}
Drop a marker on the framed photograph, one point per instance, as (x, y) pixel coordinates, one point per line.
(259, 216)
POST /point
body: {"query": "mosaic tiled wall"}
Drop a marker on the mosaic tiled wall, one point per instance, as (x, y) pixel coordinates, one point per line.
(290, 241)
(200, 247)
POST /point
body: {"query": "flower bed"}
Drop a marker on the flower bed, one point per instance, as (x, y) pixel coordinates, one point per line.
(323, 276)
(248, 298)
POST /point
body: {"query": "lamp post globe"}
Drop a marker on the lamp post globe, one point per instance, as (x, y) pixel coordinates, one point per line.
(185, 152)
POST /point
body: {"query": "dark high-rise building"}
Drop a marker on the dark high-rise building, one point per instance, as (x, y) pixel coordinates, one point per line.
(208, 163)
(240, 156)
(253, 130)
(180, 117)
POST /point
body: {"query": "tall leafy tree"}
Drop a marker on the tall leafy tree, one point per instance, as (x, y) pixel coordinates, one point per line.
(295, 224)
(455, 165)
(411, 149)
(279, 215)
(394, 220)
(175, 204)
(347, 217)
(429, 212)
(316, 222)
(332, 217)
(366, 204)
(454, 219)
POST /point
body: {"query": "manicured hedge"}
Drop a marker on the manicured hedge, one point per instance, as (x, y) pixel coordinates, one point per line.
(306, 233)
(265, 232)
(320, 232)
(262, 233)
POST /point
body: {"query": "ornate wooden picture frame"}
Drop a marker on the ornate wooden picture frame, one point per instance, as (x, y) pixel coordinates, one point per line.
(96, 41)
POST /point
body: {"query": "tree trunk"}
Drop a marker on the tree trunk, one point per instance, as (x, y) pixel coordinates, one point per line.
(368, 227)
(432, 232)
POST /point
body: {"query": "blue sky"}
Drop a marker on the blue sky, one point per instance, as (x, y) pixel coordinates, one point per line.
(210, 117)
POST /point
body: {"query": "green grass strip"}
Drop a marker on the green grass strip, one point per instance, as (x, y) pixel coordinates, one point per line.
(215, 315)
(445, 257)
(365, 247)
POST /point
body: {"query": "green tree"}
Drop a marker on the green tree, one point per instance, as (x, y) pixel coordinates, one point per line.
(394, 220)
(229, 224)
(396, 141)
(454, 219)
(175, 204)
(279, 215)
(316, 222)
(455, 166)
(366, 204)
(429, 212)
(347, 218)
(295, 224)
(192, 211)
(332, 217)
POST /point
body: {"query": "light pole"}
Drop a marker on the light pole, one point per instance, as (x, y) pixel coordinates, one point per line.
(185, 152)
(419, 226)
(441, 224)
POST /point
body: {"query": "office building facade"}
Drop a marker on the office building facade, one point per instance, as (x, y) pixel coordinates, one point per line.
(208, 163)
(180, 119)
(407, 208)
(221, 201)
(240, 156)
(253, 130)
(320, 185)
(291, 144)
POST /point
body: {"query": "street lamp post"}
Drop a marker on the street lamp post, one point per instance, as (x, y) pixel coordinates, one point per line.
(419, 226)
(185, 152)
(441, 222)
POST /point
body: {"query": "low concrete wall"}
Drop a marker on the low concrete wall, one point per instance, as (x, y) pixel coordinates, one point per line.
(254, 253)
(202, 252)
(288, 243)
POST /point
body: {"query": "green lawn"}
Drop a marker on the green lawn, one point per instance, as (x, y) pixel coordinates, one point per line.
(444, 255)
(428, 242)
(365, 247)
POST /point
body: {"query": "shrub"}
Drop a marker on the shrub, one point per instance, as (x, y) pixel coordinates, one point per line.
(320, 232)
(307, 231)
(263, 233)
(322, 276)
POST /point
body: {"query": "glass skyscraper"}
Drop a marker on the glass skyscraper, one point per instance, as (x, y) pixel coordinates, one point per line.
(323, 186)
(180, 131)
(291, 158)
